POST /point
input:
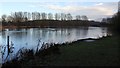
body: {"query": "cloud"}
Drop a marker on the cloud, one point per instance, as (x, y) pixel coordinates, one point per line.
(95, 11)
(85, 9)
(99, 4)
(32, 6)
(59, 0)
(92, 10)
(101, 10)
(65, 9)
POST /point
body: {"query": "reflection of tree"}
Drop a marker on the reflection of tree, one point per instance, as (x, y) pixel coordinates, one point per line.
(69, 31)
(103, 29)
(108, 31)
(83, 31)
(44, 33)
(63, 32)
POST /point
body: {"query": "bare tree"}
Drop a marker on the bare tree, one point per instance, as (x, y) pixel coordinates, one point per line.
(13, 16)
(29, 16)
(37, 16)
(0, 20)
(50, 16)
(18, 16)
(69, 16)
(63, 16)
(43, 16)
(84, 17)
(78, 17)
(4, 18)
(57, 16)
(9, 19)
(33, 16)
(25, 16)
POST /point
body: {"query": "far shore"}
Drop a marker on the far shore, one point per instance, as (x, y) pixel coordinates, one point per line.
(50, 24)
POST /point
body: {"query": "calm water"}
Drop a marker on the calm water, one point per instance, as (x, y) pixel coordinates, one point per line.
(28, 38)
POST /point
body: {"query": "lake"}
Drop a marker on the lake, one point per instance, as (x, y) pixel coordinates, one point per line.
(29, 38)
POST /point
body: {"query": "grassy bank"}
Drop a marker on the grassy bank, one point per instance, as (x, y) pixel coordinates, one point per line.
(102, 52)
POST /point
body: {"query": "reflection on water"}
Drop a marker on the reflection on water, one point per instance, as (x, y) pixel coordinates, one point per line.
(28, 38)
(24, 37)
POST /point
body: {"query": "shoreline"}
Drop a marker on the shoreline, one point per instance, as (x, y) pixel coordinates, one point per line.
(27, 27)
(51, 24)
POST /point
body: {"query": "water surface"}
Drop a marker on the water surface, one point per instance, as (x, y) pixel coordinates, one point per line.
(28, 38)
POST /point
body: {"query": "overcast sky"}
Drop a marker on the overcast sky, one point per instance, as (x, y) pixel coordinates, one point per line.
(92, 8)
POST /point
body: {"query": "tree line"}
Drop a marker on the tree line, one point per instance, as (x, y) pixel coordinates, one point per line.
(26, 16)
(115, 22)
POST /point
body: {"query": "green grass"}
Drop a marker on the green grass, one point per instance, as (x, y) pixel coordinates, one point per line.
(103, 52)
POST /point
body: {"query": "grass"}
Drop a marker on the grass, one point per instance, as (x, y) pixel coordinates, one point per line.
(102, 52)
